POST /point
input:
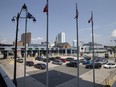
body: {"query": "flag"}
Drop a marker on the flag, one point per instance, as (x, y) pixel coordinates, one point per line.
(90, 20)
(45, 8)
(29, 16)
(77, 14)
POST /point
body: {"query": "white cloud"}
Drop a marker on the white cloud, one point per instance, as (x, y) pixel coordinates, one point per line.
(6, 41)
(114, 33)
(37, 40)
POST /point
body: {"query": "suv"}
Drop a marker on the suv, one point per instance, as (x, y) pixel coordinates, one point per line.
(96, 65)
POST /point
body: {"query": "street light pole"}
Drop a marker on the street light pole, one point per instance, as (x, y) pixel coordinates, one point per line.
(17, 24)
(28, 15)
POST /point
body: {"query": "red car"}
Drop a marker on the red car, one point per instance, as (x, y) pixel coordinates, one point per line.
(63, 60)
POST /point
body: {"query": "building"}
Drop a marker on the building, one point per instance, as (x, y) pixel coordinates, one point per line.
(74, 43)
(97, 47)
(63, 45)
(60, 38)
(28, 38)
(19, 43)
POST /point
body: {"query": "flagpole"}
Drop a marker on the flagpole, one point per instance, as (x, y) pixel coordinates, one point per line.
(77, 46)
(93, 49)
(47, 78)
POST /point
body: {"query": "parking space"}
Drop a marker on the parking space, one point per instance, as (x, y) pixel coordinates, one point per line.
(20, 66)
(57, 73)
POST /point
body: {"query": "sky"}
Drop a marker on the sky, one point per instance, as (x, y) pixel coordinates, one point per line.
(61, 19)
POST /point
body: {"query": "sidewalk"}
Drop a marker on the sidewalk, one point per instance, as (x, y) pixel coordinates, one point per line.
(86, 79)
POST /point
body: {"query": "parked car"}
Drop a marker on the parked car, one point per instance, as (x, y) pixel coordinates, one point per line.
(69, 59)
(72, 64)
(84, 62)
(40, 66)
(57, 61)
(52, 58)
(63, 60)
(75, 60)
(19, 60)
(39, 58)
(45, 60)
(103, 60)
(29, 63)
(87, 57)
(81, 60)
(110, 65)
(57, 57)
(96, 65)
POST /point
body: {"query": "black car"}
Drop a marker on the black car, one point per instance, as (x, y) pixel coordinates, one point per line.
(29, 63)
(52, 58)
(72, 64)
(45, 60)
(69, 59)
(40, 66)
(39, 58)
(96, 65)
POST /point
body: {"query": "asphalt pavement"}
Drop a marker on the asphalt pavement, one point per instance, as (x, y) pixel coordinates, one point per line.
(59, 75)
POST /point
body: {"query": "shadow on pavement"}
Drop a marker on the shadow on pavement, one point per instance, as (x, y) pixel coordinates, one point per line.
(58, 79)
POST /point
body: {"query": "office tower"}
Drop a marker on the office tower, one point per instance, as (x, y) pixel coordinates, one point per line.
(28, 38)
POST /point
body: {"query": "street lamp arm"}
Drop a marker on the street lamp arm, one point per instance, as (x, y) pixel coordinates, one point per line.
(28, 15)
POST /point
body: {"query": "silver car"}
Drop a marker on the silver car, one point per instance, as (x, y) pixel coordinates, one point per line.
(57, 62)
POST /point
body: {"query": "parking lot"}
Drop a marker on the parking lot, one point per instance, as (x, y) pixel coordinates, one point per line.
(58, 74)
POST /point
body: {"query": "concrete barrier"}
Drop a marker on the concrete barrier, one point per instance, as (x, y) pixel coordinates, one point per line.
(5, 81)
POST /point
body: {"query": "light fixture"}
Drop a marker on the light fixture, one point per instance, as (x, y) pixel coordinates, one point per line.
(24, 7)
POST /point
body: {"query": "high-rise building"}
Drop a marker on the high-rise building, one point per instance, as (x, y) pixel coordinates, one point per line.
(74, 43)
(61, 37)
(28, 38)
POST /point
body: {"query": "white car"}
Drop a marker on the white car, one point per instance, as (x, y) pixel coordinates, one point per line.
(110, 65)
(19, 59)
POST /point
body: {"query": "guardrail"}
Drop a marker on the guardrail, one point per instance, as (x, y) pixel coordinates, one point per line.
(5, 81)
